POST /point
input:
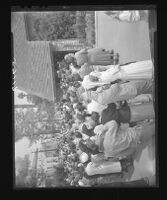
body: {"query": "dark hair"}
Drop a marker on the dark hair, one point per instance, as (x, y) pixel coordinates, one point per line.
(77, 84)
(64, 100)
(80, 106)
(83, 147)
(75, 65)
(87, 115)
(81, 117)
(95, 116)
(78, 134)
(87, 131)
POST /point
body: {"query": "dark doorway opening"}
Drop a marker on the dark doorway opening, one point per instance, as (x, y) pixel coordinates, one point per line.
(58, 56)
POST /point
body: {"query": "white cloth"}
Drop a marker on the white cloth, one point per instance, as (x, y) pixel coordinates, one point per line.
(108, 75)
(94, 106)
(73, 69)
(83, 157)
(105, 167)
(142, 70)
(88, 84)
(142, 98)
(130, 16)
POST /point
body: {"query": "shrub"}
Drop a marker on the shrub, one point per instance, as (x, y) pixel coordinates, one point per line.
(90, 28)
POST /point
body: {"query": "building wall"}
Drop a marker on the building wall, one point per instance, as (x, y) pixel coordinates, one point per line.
(68, 45)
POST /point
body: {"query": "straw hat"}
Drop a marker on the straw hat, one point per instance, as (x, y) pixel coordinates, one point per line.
(83, 157)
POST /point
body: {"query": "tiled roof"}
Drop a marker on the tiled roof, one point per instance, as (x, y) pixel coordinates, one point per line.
(33, 62)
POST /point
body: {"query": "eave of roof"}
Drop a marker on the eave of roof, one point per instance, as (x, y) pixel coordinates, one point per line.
(34, 64)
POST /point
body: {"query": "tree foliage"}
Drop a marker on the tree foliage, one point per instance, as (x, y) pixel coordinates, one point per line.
(64, 25)
(32, 122)
(22, 167)
(57, 25)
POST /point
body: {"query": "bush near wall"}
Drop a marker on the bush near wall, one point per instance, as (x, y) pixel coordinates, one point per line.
(90, 28)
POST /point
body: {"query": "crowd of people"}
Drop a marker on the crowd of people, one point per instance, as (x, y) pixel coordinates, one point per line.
(108, 112)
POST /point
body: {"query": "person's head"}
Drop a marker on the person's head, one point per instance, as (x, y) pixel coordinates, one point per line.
(63, 100)
(69, 58)
(83, 147)
(78, 134)
(75, 65)
(88, 147)
(80, 106)
(84, 157)
(77, 84)
(76, 77)
(91, 145)
(89, 121)
(95, 116)
(80, 117)
(93, 78)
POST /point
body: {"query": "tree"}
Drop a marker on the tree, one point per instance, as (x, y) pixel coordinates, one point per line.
(34, 123)
(22, 166)
(57, 25)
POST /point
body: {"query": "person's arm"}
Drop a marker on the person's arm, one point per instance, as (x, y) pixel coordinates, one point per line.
(124, 126)
(98, 157)
(141, 98)
(101, 68)
(81, 51)
(108, 95)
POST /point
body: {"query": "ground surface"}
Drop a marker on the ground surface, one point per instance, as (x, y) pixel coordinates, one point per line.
(132, 41)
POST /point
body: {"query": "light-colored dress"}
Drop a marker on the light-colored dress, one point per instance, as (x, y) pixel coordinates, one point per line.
(142, 70)
(104, 167)
(94, 56)
(93, 106)
(86, 69)
(116, 92)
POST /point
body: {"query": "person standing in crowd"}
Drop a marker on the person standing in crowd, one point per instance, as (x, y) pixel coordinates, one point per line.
(112, 93)
(125, 114)
(142, 70)
(92, 56)
(86, 69)
(120, 141)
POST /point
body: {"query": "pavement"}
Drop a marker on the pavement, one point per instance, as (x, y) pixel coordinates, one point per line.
(132, 42)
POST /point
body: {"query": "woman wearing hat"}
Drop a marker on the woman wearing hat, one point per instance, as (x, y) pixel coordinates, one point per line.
(86, 69)
(92, 56)
(112, 93)
(142, 70)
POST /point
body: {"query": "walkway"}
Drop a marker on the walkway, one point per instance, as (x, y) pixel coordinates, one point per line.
(130, 40)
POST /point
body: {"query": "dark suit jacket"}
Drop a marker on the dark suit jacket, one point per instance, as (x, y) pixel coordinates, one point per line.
(121, 115)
